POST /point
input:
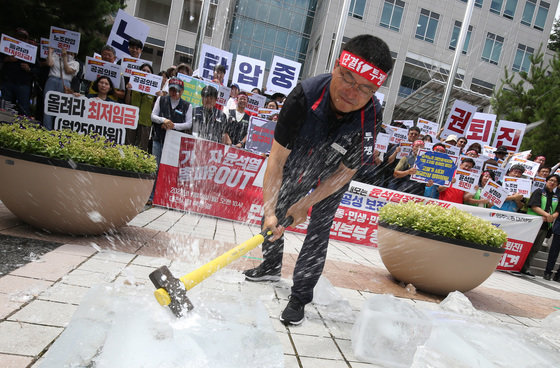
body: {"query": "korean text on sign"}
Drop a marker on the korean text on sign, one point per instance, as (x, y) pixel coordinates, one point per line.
(481, 128)
(210, 57)
(249, 72)
(509, 134)
(19, 49)
(64, 39)
(95, 68)
(283, 75)
(459, 118)
(124, 28)
(145, 82)
(466, 181)
(493, 192)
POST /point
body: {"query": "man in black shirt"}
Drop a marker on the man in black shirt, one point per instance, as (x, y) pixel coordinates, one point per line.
(209, 122)
(325, 132)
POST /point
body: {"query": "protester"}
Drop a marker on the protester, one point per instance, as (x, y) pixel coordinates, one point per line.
(430, 189)
(102, 89)
(501, 153)
(256, 91)
(238, 123)
(455, 195)
(219, 74)
(461, 143)
(62, 69)
(17, 78)
(543, 172)
(541, 160)
(472, 154)
(184, 69)
(135, 47)
(542, 203)
(140, 136)
(553, 254)
(321, 114)
(271, 104)
(164, 77)
(475, 199)
(232, 101)
(451, 139)
(209, 122)
(427, 138)
(513, 201)
(390, 161)
(405, 169)
(475, 147)
(108, 53)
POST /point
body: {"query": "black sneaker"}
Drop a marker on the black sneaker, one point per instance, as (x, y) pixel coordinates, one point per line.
(547, 276)
(556, 276)
(294, 313)
(527, 273)
(262, 274)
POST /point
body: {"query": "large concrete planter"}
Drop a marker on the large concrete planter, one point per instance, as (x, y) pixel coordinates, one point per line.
(435, 264)
(70, 198)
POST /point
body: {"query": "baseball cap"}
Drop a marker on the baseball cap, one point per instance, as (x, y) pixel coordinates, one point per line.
(209, 91)
(176, 83)
(451, 137)
(501, 149)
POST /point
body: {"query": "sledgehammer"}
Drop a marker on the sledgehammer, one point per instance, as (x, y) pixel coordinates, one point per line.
(173, 291)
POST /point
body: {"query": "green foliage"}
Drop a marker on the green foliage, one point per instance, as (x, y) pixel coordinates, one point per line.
(91, 149)
(533, 97)
(91, 18)
(449, 222)
(554, 42)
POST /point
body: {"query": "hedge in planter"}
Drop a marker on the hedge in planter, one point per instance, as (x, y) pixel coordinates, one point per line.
(65, 182)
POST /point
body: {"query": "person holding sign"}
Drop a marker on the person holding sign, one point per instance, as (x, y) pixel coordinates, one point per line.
(62, 69)
(102, 88)
(476, 199)
(513, 201)
(455, 195)
(326, 130)
(140, 136)
(542, 203)
(238, 123)
(135, 47)
(405, 168)
(209, 122)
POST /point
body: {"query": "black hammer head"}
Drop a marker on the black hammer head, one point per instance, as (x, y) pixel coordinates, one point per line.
(180, 303)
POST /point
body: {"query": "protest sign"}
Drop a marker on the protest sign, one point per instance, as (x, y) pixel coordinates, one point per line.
(435, 166)
(509, 134)
(126, 27)
(192, 88)
(223, 95)
(452, 150)
(427, 127)
(254, 102)
(145, 82)
(382, 142)
(538, 183)
(399, 135)
(407, 123)
(95, 68)
(248, 73)
(380, 97)
(128, 64)
(283, 75)
(405, 149)
(525, 154)
(18, 49)
(260, 135)
(210, 57)
(86, 115)
(44, 51)
(481, 127)
(493, 192)
(459, 119)
(466, 181)
(517, 185)
(488, 151)
(531, 167)
(61, 38)
(267, 113)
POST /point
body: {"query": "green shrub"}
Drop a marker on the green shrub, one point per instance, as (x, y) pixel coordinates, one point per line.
(449, 222)
(92, 149)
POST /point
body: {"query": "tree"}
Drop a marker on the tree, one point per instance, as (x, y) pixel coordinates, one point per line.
(554, 43)
(91, 18)
(530, 98)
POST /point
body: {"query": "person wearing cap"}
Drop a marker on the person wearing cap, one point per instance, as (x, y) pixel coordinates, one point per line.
(135, 47)
(451, 140)
(513, 201)
(326, 130)
(455, 195)
(169, 112)
(232, 101)
(209, 122)
(405, 168)
(500, 153)
(544, 203)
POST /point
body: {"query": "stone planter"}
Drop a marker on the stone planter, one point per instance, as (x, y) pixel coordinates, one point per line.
(65, 197)
(433, 263)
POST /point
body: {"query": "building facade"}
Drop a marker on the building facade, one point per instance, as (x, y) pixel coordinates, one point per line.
(422, 36)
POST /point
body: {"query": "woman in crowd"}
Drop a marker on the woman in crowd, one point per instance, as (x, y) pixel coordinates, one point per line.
(103, 88)
(140, 136)
(475, 147)
(62, 69)
(272, 105)
(475, 199)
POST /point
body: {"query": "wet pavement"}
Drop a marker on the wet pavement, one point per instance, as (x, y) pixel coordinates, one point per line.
(38, 295)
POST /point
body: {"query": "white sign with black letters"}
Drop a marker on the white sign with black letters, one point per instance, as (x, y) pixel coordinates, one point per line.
(61, 38)
(248, 73)
(210, 57)
(283, 75)
(126, 27)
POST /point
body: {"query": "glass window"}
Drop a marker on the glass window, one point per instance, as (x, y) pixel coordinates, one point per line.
(455, 37)
(357, 8)
(392, 14)
(509, 11)
(492, 48)
(542, 13)
(528, 11)
(156, 11)
(522, 61)
(496, 6)
(191, 16)
(478, 3)
(427, 25)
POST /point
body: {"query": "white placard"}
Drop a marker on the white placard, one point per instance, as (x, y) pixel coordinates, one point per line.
(126, 27)
(452, 150)
(509, 134)
(382, 142)
(531, 167)
(406, 123)
(94, 68)
(248, 73)
(517, 185)
(255, 102)
(223, 95)
(405, 149)
(538, 183)
(283, 75)
(211, 56)
(145, 82)
(466, 181)
(260, 135)
(128, 64)
(61, 38)
(399, 134)
(44, 51)
(427, 127)
(493, 192)
(18, 49)
(481, 128)
(459, 119)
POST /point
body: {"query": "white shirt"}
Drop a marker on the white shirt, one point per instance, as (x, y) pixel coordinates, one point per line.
(187, 122)
(55, 69)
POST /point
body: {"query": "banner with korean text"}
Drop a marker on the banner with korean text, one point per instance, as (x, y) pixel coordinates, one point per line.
(87, 115)
(248, 73)
(124, 28)
(458, 120)
(230, 170)
(95, 68)
(481, 128)
(61, 38)
(18, 49)
(509, 134)
(210, 57)
(145, 82)
(283, 76)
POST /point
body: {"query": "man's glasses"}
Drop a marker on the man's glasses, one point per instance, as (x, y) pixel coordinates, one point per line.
(347, 77)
